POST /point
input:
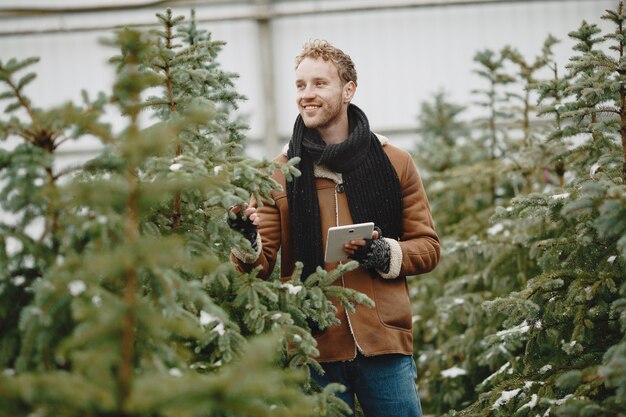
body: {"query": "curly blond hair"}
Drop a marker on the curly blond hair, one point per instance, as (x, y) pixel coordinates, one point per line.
(319, 48)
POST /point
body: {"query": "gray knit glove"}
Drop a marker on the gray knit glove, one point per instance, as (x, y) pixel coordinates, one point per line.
(375, 254)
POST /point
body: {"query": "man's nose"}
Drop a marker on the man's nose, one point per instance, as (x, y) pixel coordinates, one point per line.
(308, 92)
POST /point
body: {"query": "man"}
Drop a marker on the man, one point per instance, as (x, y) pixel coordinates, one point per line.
(349, 175)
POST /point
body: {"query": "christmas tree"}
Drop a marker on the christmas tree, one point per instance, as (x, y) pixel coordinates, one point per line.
(117, 295)
(525, 315)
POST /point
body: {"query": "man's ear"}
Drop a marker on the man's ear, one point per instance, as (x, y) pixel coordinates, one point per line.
(348, 91)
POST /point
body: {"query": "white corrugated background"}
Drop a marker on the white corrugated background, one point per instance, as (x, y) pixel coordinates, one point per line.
(402, 55)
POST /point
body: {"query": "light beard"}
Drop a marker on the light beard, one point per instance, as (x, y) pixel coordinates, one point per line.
(325, 119)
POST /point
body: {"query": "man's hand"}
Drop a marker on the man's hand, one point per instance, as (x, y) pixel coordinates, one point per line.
(245, 222)
(374, 253)
(352, 246)
(249, 213)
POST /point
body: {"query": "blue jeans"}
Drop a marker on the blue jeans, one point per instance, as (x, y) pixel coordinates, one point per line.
(384, 385)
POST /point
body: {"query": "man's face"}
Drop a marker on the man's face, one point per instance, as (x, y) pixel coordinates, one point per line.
(320, 93)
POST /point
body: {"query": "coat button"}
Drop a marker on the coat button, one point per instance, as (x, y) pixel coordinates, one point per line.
(339, 188)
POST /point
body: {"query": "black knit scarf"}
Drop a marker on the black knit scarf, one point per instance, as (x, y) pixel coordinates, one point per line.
(371, 184)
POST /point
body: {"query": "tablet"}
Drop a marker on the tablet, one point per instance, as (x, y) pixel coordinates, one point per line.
(340, 235)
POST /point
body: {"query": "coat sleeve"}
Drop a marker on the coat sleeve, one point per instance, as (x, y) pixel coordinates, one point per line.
(268, 244)
(417, 251)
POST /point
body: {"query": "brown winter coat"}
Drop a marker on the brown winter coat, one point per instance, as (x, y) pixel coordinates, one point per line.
(374, 331)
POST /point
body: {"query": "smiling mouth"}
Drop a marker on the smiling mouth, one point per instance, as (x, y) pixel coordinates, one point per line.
(311, 107)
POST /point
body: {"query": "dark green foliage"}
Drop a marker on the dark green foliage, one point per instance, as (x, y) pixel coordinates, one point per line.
(117, 294)
(524, 315)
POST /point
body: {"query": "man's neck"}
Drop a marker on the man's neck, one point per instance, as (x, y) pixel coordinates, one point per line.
(333, 137)
(335, 133)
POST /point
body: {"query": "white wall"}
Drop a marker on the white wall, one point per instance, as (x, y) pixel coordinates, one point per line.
(402, 56)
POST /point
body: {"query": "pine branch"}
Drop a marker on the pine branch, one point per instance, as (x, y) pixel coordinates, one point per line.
(169, 23)
(16, 89)
(622, 89)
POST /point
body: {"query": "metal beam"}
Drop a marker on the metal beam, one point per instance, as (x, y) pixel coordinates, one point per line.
(389, 132)
(26, 10)
(214, 11)
(266, 51)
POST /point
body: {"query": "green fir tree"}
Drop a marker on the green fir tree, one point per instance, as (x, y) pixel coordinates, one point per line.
(527, 318)
(122, 301)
